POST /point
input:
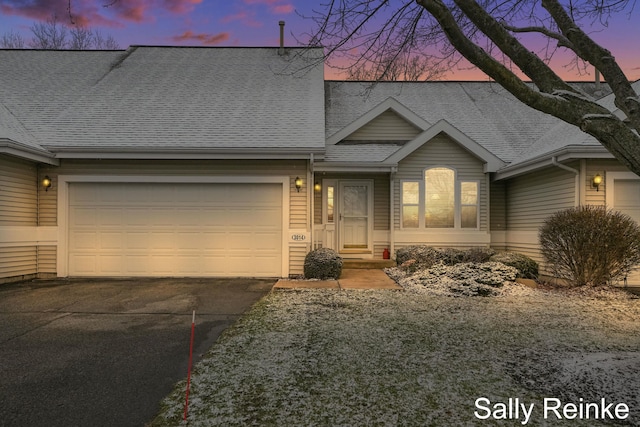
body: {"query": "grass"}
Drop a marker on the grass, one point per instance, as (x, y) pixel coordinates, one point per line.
(326, 357)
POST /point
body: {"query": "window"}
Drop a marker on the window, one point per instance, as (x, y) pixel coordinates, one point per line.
(469, 204)
(330, 203)
(410, 204)
(439, 184)
(439, 201)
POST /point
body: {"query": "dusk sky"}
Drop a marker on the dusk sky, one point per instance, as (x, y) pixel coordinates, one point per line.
(243, 23)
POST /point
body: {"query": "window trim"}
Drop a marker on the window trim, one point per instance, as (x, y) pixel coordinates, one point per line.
(457, 223)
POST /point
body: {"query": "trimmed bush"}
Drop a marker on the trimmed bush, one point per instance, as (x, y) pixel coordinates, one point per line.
(323, 264)
(590, 245)
(527, 268)
(417, 257)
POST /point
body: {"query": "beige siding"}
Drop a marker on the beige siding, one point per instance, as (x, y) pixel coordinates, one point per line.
(533, 197)
(46, 259)
(17, 261)
(388, 126)
(498, 206)
(296, 260)
(442, 151)
(18, 192)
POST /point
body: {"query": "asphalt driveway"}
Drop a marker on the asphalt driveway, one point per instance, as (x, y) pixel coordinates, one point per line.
(105, 352)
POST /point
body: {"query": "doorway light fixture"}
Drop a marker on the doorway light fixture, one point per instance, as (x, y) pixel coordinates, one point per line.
(298, 183)
(597, 180)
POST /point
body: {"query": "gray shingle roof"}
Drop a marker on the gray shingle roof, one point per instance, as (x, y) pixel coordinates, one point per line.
(167, 98)
(483, 111)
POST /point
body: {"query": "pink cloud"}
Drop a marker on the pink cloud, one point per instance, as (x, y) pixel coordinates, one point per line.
(95, 12)
(276, 7)
(243, 17)
(282, 9)
(202, 38)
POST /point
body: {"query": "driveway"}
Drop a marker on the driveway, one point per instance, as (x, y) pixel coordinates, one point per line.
(105, 352)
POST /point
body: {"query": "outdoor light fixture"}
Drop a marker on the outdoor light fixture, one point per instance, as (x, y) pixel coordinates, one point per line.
(46, 182)
(597, 180)
(317, 187)
(298, 183)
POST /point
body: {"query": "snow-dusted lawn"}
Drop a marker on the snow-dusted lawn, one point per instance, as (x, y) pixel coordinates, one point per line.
(414, 357)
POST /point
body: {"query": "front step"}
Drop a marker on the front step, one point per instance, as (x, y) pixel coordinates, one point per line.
(371, 264)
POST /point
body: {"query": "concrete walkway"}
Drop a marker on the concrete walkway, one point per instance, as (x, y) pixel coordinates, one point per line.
(349, 279)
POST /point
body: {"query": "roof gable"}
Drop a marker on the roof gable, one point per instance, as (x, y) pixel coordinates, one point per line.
(492, 163)
(388, 109)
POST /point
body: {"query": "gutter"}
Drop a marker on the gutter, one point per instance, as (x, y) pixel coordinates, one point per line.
(188, 154)
(554, 162)
(546, 160)
(12, 148)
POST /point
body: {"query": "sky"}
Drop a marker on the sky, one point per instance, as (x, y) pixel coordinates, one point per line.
(249, 23)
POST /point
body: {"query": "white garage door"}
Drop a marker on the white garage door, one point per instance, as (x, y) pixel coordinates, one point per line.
(142, 229)
(626, 198)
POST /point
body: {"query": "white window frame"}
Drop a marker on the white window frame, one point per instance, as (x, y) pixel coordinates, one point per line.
(457, 223)
(477, 204)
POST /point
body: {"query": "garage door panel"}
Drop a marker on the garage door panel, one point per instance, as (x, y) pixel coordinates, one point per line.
(175, 229)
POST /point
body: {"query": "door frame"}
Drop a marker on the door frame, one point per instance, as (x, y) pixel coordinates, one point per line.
(338, 207)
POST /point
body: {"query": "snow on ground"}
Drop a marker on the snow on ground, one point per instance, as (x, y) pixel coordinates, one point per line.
(416, 357)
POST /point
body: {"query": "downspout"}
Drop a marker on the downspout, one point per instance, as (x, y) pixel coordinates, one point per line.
(554, 162)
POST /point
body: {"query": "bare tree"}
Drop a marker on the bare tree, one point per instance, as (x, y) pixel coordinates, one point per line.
(488, 33)
(49, 34)
(12, 40)
(391, 68)
(52, 34)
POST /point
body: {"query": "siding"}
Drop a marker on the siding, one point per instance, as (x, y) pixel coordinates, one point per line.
(388, 126)
(46, 259)
(601, 166)
(442, 151)
(498, 206)
(18, 261)
(296, 260)
(18, 192)
(533, 197)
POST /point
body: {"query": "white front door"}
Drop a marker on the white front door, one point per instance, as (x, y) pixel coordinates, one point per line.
(355, 212)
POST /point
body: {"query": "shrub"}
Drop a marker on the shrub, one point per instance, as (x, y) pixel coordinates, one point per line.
(527, 268)
(413, 258)
(590, 244)
(323, 264)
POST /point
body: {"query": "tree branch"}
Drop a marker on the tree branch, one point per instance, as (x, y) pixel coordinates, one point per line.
(562, 40)
(626, 98)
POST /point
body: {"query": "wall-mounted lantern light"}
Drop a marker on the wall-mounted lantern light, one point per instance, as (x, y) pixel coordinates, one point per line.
(317, 187)
(46, 182)
(597, 180)
(298, 183)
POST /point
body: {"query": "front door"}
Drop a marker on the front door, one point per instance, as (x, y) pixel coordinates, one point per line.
(354, 217)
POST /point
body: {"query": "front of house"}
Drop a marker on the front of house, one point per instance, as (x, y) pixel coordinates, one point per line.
(195, 162)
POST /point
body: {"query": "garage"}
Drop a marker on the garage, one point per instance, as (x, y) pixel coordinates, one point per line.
(623, 194)
(175, 229)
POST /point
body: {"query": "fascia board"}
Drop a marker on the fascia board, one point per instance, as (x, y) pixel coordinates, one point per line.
(12, 148)
(197, 154)
(387, 104)
(545, 160)
(353, 167)
(492, 163)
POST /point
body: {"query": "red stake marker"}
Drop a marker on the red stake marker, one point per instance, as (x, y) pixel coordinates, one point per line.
(193, 326)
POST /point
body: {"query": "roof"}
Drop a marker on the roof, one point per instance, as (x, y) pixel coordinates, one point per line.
(488, 121)
(172, 100)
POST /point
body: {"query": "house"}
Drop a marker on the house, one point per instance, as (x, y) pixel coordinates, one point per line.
(183, 161)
